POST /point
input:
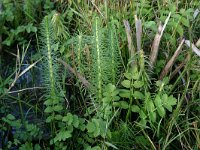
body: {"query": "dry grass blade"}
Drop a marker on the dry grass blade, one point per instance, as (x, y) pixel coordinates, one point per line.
(171, 61)
(198, 43)
(194, 48)
(18, 75)
(81, 78)
(156, 42)
(138, 25)
(129, 35)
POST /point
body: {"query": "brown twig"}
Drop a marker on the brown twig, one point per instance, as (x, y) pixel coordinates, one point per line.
(171, 61)
(81, 78)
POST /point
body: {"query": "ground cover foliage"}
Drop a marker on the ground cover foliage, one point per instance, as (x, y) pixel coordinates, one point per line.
(99, 74)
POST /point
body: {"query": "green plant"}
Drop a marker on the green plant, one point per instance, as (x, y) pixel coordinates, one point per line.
(53, 98)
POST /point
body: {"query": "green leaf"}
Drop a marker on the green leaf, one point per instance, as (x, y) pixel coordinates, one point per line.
(128, 75)
(126, 83)
(91, 127)
(97, 130)
(48, 102)
(49, 119)
(49, 109)
(58, 117)
(135, 108)
(58, 108)
(10, 117)
(152, 116)
(124, 104)
(75, 121)
(185, 22)
(68, 118)
(138, 95)
(138, 84)
(142, 115)
(124, 93)
(158, 101)
(161, 111)
(179, 30)
(168, 102)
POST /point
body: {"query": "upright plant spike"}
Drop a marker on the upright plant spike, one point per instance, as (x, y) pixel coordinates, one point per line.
(114, 51)
(50, 68)
(47, 52)
(100, 64)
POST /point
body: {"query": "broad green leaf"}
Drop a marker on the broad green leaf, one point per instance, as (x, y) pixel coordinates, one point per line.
(58, 117)
(152, 116)
(49, 109)
(124, 93)
(124, 104)
(185, 22)
(49, 119)
(91, 127)
(179, 29)
(48, 102)
(128, 75)
(135, 108)
(138, 95)
(161, 111)
(138, 84)
(58, 108)
(142, 115)
(10, 117)
(126, 83)
(158, 101)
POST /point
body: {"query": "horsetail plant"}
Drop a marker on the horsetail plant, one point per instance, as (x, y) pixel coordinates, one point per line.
(50, 76)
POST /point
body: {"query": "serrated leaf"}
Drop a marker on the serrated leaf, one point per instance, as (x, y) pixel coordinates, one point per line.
(68, 118)
(138, 84)
(126, 83)
(75, 121)
(67, 134)
(168, 102)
